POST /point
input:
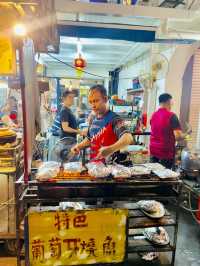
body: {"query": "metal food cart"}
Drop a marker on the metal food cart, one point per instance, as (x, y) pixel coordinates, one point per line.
(123, 192)
(7, 199)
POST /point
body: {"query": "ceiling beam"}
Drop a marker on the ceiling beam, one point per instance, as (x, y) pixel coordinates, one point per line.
(112, 51)
(107, 31)
(69, 6)
(66, 41)
(105, 25)
(94, 62)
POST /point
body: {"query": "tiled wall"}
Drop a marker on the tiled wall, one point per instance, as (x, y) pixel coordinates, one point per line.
(194, 116)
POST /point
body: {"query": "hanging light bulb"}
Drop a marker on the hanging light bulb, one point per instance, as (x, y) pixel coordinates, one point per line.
(20, 30)
(79, 62)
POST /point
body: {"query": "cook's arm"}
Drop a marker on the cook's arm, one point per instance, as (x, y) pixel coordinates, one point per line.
(179, 135)
(125, 140)
(80, 146)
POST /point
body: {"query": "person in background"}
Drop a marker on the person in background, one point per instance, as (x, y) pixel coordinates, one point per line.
(69, 127)
(56, 127)
(66, 126)
(165, 131)
(54, 138)
(11, 109)
(107, 133)
(6, 120)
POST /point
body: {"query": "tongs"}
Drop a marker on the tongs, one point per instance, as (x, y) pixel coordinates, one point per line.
(85, 170)
(65, 154)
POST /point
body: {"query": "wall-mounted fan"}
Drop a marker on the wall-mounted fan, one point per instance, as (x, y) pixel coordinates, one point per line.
(158, 70)
(145, 81)
(159, 66)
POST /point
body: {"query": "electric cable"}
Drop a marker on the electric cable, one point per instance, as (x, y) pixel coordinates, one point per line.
(69, 65)
(86, 72)
(187, 209)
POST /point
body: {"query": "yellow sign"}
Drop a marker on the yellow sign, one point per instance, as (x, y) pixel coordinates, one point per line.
(77, 237)
(7, 57)
(40, 69)
(84, 90)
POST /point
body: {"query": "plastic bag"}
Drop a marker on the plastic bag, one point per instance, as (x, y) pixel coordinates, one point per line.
(166, 173)
(120, 171)
(48, 170)
(73, 167)
(139, 170)
(98, 169)
(154, 166)
(49, 164)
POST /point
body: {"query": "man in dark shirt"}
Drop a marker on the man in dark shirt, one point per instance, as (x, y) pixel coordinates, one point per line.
(68, 129)
(67, 118)
(165, 131)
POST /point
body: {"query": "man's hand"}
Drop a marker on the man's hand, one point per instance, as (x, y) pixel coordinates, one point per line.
(82, 145)
(104, 152)
(83, 133)
(75, 150)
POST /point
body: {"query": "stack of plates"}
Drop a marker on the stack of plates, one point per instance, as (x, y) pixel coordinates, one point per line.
(7, 135)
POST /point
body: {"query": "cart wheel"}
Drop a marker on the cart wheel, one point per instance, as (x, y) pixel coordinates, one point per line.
(11, 247)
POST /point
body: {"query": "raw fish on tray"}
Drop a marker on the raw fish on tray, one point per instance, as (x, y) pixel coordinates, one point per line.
(152, 208)
(157, 235)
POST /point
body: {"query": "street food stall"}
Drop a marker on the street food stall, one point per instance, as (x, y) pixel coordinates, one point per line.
(81, 213)
(11, 164)
(16, 72)
(11, 155)
(126, 199)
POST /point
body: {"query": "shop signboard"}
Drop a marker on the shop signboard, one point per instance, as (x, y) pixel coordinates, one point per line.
(7, 57)
(136, 84)
(77, 237)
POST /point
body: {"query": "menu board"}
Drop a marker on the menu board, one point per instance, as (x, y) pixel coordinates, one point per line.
(7, 57)
(77, 237)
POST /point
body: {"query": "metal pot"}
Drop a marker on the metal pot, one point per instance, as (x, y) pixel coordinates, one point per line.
(190, 160)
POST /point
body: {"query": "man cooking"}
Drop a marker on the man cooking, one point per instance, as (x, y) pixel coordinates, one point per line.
(107, 132)
(165, 131)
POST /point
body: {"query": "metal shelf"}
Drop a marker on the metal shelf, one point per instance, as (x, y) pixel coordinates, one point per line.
(143, 245)
(139, 220)
(110, 190)
(132, 91)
